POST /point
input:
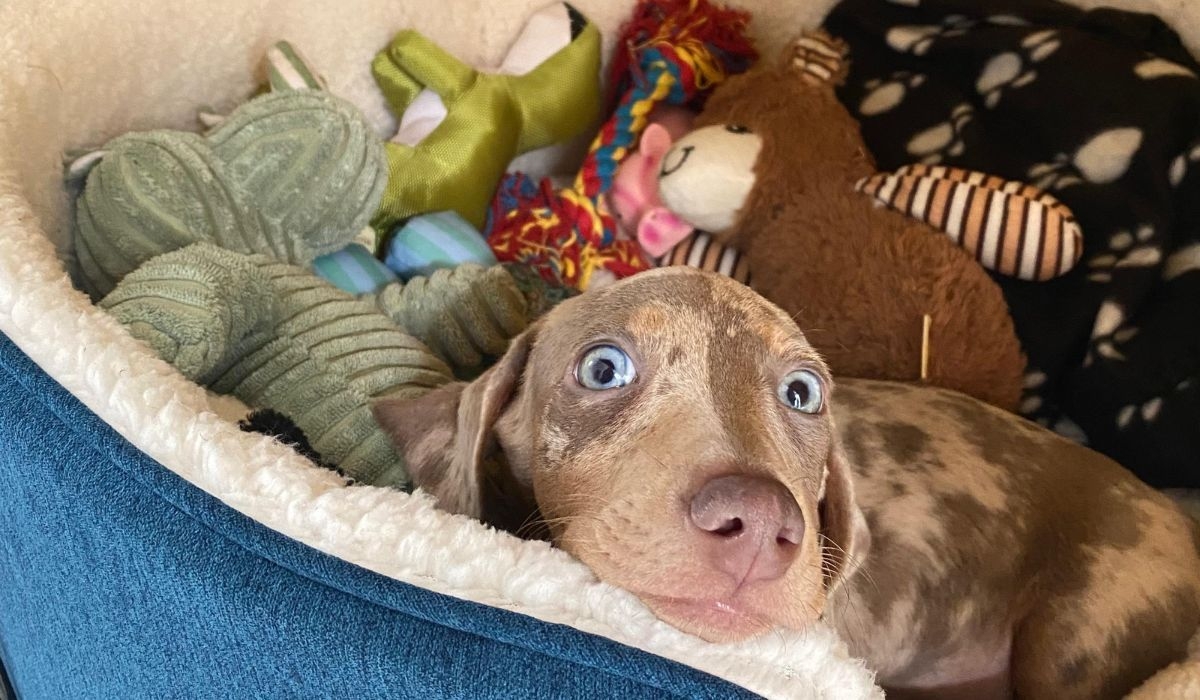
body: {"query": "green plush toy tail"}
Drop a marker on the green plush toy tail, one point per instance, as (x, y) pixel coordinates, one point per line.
(279, 337)
(464, 315)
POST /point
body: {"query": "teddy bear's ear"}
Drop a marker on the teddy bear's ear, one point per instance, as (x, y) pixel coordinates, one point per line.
(817, 59)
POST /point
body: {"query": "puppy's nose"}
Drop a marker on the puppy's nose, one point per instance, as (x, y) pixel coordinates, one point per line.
(751, 526)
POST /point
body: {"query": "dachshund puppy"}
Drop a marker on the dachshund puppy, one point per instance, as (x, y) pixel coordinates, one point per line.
(677, 434)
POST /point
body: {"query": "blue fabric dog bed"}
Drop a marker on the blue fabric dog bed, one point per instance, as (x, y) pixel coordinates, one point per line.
(119, 579)
(149, 548)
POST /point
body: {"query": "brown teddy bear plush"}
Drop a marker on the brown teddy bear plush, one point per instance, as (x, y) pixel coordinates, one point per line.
(777, 168)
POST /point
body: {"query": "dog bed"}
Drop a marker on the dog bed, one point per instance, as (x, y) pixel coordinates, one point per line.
(151, 548)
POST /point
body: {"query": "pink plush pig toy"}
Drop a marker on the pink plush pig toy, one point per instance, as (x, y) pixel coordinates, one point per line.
(634, 199)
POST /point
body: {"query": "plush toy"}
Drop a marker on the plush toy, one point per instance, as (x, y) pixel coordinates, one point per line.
(633, 198)
(460, 128)
(290, 174)
(635, 202)
(436, 241)
(674, 50)
(772, 169)
(202, 246)
(279, 337)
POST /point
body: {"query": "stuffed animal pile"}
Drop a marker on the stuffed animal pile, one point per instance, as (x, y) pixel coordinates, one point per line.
(207, 248)
(293, 259)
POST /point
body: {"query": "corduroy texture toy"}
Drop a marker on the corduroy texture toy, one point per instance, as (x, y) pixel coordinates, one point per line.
(465, 315)
(669, 53)
(277, 336)
(222, 289)
(460, 127)
(293, 175)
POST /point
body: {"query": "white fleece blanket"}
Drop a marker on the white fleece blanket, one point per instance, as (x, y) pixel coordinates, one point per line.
(75, 73)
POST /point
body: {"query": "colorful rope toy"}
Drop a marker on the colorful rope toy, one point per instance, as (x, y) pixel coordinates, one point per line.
(676, 51)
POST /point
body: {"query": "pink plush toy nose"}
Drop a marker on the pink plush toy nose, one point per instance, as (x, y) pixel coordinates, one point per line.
(751, 527)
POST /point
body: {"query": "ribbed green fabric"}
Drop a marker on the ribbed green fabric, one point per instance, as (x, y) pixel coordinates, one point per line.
(277, 336)
(465, 315)
(293, 175)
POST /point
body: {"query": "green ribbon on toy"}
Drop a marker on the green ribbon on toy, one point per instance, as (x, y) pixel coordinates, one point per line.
(489, 119)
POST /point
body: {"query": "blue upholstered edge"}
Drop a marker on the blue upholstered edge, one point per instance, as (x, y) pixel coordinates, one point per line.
(537, 637)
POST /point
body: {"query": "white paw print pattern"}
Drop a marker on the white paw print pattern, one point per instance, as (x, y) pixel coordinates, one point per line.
(1148, 412)
(1156, 67)
(1008, 21)
(1070, 430)
(1179, 166)
(918, 38)
(1034, 383)
(1032, 386)
(1108, 333)
(1103, 159)
(886, 95)
(1013, 69)
(935, 143)
(1126, 250)
(1182, 261)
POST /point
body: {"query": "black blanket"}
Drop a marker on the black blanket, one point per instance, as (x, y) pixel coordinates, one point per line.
(1102, 109)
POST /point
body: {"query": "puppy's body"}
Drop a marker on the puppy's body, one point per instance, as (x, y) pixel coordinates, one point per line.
(961, 550)
(1003, 556)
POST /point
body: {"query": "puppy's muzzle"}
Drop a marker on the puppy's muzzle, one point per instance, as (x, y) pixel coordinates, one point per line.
(748, 527)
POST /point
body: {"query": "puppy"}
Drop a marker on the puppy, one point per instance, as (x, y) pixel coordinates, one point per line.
(677, 434)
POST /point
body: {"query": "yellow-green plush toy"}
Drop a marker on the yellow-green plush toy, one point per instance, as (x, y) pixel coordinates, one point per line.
(460, 127)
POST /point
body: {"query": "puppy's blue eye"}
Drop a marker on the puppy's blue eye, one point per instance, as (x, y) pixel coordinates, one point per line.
(802, 391)
(605, 367)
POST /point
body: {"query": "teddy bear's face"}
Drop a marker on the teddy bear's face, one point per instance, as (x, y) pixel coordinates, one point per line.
(773, 142)
(707, 175)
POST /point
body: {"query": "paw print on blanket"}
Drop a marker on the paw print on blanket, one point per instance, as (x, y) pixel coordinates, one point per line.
(917, 39)
(1033, 406)
(1125, 250)
(1102, 159)
(1155, 67)
(1108, 333)
(1182, 261)
(934, 144)
(1147, 412)
(1015, 69)
(1032, 387)
(1179, 166)
(886, 95)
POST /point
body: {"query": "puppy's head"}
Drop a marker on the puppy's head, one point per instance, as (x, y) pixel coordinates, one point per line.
(675, 433)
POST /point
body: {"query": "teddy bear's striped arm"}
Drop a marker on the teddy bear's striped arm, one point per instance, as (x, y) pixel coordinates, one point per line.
(1009, 227)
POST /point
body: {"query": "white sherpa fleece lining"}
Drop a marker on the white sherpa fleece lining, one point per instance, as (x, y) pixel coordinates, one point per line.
(75, 73)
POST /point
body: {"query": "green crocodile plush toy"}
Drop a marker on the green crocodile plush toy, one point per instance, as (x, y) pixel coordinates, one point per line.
(459, 128)
(202, 245)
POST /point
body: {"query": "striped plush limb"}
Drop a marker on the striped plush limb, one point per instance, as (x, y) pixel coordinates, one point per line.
(277, 336)
(705, 252)
(820, 58)
(1009, 227)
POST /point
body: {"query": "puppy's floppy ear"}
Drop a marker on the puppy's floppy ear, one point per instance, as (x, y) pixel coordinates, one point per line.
(447, 434)
(846, 538)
